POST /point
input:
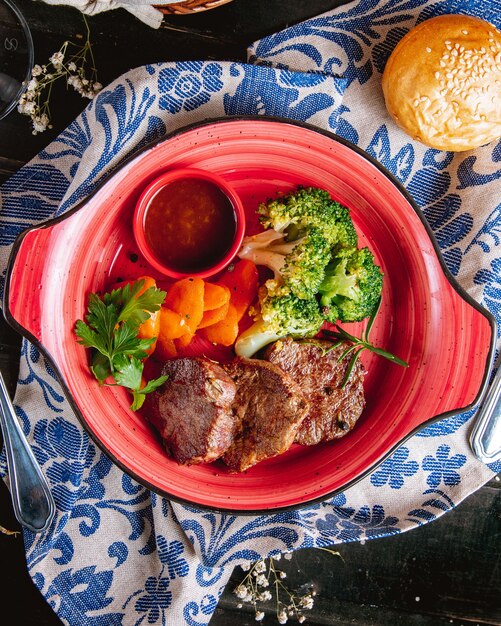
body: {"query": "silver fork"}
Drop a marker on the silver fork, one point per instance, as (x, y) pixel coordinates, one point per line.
(32, 499)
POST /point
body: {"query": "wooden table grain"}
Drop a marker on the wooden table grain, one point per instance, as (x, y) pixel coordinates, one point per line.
(446, 572)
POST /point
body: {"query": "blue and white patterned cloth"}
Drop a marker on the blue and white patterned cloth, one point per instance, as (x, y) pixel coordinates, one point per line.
(117, 554)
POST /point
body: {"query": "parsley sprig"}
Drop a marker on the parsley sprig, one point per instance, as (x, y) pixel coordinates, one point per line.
(358, 345)
(111, 330)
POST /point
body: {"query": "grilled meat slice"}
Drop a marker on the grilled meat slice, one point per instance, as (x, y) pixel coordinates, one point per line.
(332, 411)
(269, 406)
(192, 410)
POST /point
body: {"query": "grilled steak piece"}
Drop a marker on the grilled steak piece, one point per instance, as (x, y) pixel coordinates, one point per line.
(332, 411)
(192, 410)
(269, 406)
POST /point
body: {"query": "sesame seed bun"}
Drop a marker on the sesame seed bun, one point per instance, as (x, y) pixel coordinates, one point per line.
(442, 82)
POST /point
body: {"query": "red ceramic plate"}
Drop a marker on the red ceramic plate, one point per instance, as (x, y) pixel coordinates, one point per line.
(426, 319)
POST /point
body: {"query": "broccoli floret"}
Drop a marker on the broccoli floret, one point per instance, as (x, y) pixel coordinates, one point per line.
(281, 314)
(286, 314)
(299, 264)
(303, 227)
(307, 208)
(352, 286)
(268, 248)
(310, 244)
(304, 267)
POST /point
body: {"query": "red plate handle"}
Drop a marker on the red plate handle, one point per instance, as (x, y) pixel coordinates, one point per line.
(24, 284)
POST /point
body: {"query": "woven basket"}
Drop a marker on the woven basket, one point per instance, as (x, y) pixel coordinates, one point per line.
(190, 6)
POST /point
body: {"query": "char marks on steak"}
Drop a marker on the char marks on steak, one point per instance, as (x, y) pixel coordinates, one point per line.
(269, 406)
(192, 410)
(332, 411)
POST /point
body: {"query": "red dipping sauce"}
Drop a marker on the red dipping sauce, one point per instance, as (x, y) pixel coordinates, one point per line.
(189, 223)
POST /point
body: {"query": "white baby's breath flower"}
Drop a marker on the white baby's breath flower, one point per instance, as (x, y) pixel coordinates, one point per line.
(40, 123)
(282, 617)
(57, 60)
(29, 108)
(241, 591)
(262, 581)
(264, 573)
(79, 73)
(306, 602)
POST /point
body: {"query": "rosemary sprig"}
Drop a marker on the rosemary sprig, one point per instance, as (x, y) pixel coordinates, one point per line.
(358, 345)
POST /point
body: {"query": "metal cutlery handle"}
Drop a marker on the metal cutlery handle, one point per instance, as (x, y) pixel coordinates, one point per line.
(33, 503)
(485, 437)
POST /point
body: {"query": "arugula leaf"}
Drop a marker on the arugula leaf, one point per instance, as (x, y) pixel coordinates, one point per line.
(110, 330)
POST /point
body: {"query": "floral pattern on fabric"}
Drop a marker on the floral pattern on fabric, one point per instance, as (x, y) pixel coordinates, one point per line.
(167, 563)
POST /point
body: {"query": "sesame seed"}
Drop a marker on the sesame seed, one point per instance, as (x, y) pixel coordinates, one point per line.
(437, 75)
(428, 49)
(464, 31)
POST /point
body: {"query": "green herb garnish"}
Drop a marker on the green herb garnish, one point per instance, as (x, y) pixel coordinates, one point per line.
(358, 344)
(110, 329)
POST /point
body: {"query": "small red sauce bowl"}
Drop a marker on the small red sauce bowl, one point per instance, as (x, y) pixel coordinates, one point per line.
(189, 222)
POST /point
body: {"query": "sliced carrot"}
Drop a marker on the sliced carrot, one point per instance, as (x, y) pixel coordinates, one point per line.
(186, 297)
(149, 329)
(171, 324)
(148, 282)
(214, 316)
(183, 342)
(215, 296)
(242, 282)
(165, 349)
(224, 332)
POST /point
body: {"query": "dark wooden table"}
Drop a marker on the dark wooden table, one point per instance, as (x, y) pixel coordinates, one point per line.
(447, 572)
